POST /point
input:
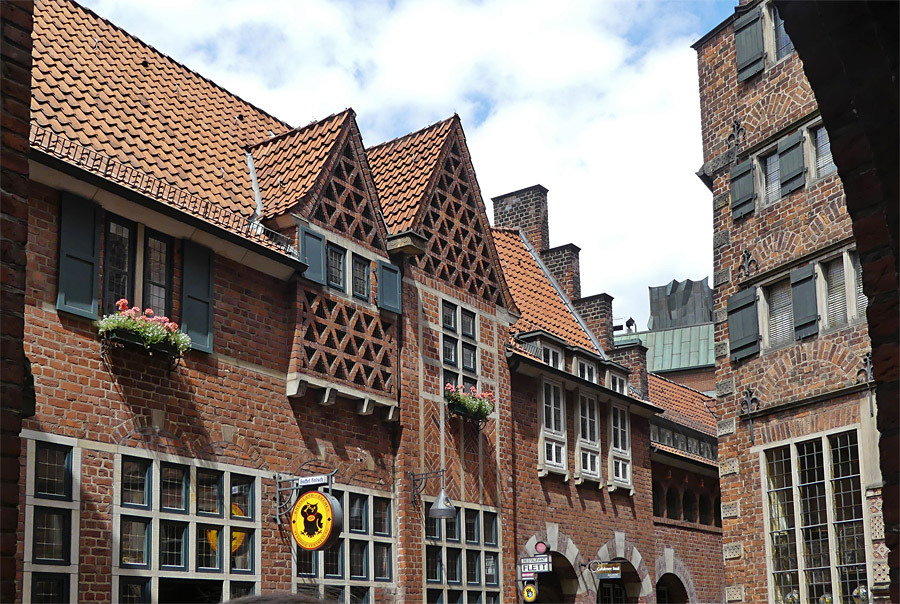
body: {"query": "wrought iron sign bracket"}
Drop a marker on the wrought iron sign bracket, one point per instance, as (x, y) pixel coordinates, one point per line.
(749, 405)
(288, 488)
(866, 374)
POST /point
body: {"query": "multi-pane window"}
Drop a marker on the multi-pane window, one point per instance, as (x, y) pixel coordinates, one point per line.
(459, 346)
(362, 559)
(173, 517)
(814, 505)
(360, 276)
(771, 178)
(552, 356)
(157, 269)
(588, 437)
(468, 323)
(783, 44)
(554, 428)
(123, 241)
(824, 161)
(781, 313)
(118, 262)
(618, 383)
(462, 557)
(620, 445)
(587, 371)
(334, 266)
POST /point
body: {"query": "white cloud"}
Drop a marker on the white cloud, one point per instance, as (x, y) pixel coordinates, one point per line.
(597, 101)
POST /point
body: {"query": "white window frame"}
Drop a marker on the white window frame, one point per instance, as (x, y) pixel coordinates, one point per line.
(617, 382)
(552, 435)
(620, 454)
(853, 314)
(764, 315)
(554, 354)
(584, 444)
(762, 176)
(812, 153)
(770, 41)
(585, 367)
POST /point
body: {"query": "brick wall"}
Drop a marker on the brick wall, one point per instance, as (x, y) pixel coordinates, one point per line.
(703, 379)
(16, 20)
(563, 263)
(525, 209)
(597, 313)
(634, 357)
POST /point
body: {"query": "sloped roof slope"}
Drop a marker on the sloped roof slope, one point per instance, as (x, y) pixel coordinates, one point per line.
(102, 88)
(683, 405)
(539, 302)
(402, 170)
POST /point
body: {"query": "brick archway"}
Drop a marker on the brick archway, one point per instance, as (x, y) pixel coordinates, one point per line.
(670, 562)
(620, 547)
(563, 545)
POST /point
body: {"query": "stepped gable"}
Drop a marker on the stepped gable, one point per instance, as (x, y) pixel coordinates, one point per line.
(541, 305)
(100, 87)
(402, 170)
(683, 405)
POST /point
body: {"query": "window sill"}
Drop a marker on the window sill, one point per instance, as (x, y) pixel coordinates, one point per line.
(587, 478)
(547, 470)
(615, 485)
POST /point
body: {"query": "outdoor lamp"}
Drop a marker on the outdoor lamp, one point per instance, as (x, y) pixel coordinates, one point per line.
(442, 507)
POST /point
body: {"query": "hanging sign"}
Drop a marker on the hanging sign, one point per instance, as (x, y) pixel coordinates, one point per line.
(316, 520)
(606, 570)
(530, 593)
(536, 564)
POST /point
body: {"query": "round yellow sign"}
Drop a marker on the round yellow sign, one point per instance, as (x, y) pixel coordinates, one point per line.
(316, 520)
(530, 592)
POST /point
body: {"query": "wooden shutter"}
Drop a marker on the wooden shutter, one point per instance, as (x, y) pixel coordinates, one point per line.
(197, 296)
(389, 281)
(790, 159)
(78, 287)
(743, 324)
(748, 45)
(742, 194)
(313, 246)
(803, 295)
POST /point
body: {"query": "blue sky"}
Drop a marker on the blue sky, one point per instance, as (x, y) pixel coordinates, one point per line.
(597, 101)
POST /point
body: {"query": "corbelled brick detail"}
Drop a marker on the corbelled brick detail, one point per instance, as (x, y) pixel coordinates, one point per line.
(564, 264)
(525, 209)
(596, 311)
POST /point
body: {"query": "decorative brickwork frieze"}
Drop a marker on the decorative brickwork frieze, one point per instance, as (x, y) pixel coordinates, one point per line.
(724, 387)
(725, 427)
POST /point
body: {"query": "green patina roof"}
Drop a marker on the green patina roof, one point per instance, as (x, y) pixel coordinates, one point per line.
(675, 349)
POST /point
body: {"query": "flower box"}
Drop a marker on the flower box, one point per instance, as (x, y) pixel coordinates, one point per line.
(469, 403)
(134, 328)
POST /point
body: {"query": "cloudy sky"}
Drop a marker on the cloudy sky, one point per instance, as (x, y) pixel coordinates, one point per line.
(595, 100)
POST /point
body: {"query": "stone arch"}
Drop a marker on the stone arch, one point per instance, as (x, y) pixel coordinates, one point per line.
(563, 545)
(830, 365)
(620, 547)
(670, 562)
(774, 249)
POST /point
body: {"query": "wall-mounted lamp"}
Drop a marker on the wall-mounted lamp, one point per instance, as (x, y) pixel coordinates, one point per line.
(442, 506)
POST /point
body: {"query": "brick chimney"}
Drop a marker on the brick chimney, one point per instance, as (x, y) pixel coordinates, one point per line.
(597, 313)
(525, 209)
(563, 263)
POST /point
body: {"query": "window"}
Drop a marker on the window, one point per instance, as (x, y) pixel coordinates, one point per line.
(862, 302)
(780, 315)
(361, 278)
(753, 46)
(841, 296)
(620, 446)
(135, 482)
(824, 162)
(448, 316)
(587, 371)
(552, 356)
(835, 293)
(680, 441)
(783, 44)
(469, 357)
(459, 349)
(466, 569)
(771, 178)
(814, 552)
(362, 557)
(654, 433)
(618, 383)
(134, 254)
(468, 323)
(450, 348)
(118, 262)
(554, 428)
(588, 453)
(335, 266)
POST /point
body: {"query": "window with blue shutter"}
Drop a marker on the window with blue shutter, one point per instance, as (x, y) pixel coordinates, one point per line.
(742, 194)
(743, 324)
(749, 50)
(389, 287)
(790, 159)
(78, 287)
(197, 296)
(312, 245)
(803, 295)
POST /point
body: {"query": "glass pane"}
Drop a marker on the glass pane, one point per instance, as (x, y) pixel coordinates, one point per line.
(171, 544)
(783, 44)
(454, 565)
(241, 549)
(491, 568)
(359, 559)
(134, 482)
(835, 294)
(824, 162)
(469, 357)
(333, 560)
(381, 516)
(117, 265)
(209, 495)
(360, 277)
(208, 546)
(134, 541)
(358, 513)
(468, 323)
(490, 528)
(448, 314)
(172, 492)
(336, 267)
(433, 563)
(306, 562)
(449, 350)
(52, 471)
(452, 527)
(383, 563)
(50, 534)
(49, 588)
(472, 531)
(432, 525)
(156, 274)
(133, 591)
(241, 496)
(239, 589)
(359, 595)
(862, 302)
(473, 567)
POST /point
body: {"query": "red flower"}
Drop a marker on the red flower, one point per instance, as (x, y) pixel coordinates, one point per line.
(148, 312)
(122, 304)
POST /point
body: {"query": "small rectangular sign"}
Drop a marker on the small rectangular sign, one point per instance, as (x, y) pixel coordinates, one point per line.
(308, 481)
(535, 559)
(536, 567)
(527, 576)
(608, 570)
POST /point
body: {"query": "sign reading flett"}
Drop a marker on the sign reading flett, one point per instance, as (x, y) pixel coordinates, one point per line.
(536, 564)
(316, 520)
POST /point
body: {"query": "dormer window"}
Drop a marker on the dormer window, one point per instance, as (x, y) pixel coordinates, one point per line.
(552, 356)
(619, 383)
(587, 371)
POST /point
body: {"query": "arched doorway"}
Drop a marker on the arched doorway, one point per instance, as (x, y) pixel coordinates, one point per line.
(560, 585)
(623, 590)
(670, 590)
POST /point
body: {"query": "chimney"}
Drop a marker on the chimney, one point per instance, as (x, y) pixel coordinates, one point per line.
(563, 263)
(597, 313)
(525, 209)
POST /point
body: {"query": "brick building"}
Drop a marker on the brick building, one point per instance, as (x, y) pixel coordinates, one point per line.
(330, 292)
(798, 444)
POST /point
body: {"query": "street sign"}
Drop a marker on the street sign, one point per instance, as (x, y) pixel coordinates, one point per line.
(308, 481)
(535, 564)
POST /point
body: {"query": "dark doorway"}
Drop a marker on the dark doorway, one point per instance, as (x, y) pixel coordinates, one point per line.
(670, 590)
(184, 591)
(611, 592)
(559, 586)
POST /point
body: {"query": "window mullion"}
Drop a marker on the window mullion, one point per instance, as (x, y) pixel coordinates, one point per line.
(829, 511)
(798, 523)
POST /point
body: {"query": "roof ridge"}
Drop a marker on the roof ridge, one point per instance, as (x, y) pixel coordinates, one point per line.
(299, 129)
(409, 134)
(177, 63)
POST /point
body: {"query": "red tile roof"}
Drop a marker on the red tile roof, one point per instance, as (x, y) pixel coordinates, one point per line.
(288, 166)
(683, 405)
(680, 453)
(541, 305)
(402, 170)
(100, 87)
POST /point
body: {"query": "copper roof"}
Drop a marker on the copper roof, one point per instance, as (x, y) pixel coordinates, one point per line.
(100, 87)
(289, 165)
(541, 305)
(402, 170)
(683, 405)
